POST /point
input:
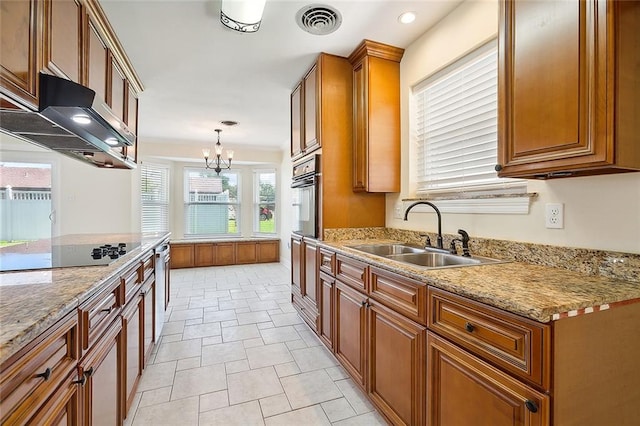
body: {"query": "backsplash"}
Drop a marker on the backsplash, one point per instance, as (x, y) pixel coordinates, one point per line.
(621, 266)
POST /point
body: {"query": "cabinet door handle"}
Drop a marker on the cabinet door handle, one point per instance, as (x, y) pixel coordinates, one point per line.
(364, 303)
(45, 374)
(531, 406)
(107, 310)
(498, 167)
(81, 380)
(469, 327)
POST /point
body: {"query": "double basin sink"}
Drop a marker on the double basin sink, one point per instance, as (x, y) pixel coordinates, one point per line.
(423, 257)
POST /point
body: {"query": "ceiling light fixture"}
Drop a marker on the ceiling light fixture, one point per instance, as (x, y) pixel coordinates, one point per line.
(407, 18)
(244, 16)
(218, 161)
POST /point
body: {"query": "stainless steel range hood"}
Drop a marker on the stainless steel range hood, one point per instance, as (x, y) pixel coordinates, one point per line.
(72, 120)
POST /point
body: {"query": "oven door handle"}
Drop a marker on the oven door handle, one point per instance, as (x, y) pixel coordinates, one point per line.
(303, 183)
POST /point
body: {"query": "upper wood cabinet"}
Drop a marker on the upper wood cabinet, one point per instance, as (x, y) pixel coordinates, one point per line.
(62, 47)
(131, 120)
(97, 60)
(569, 88)
(118, 96)
(19, 46)
(376, 115)
(304, 114)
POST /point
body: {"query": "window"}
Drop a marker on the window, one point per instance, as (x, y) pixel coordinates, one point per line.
(212, 206)
(455, 113)
(264, 201)
(154, 192)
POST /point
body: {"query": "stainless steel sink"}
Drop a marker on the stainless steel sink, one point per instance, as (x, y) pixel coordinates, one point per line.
(387, 249)
(427, 258)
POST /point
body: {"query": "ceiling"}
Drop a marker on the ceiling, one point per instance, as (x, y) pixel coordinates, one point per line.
(196, 72)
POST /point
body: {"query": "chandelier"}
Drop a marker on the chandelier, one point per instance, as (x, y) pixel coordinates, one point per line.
(217, 164)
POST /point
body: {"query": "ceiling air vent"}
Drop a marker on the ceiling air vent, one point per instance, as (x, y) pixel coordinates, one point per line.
(318, 19)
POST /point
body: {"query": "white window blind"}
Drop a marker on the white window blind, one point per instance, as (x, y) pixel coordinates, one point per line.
(456, 126)
(154, 190)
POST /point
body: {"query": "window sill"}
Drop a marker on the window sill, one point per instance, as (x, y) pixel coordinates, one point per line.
(476, 204)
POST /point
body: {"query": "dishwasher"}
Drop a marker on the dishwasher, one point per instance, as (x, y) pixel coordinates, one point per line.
(162, 253)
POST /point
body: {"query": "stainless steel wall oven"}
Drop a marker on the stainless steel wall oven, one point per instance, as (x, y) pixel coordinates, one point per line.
(306, 197)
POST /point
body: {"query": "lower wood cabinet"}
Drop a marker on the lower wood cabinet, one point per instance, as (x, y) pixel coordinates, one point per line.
(189, 255)
(464, 390)
(327, 285)
(350, 320)
(148, 295)
(132, 333)
(101, 390)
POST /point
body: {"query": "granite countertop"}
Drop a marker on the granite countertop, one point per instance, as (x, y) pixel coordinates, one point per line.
(537, 292)
(223, 240)
(31, 301)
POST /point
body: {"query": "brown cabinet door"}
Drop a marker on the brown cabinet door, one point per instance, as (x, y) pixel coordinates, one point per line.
(561, 88)
(19, 22)
(397, 365)
(204, 254)
(463, 390)
(63, 408)
(149, 317)
(297, 268)
(182, 256)
(296, 121)
(62, 46)
(97, 61)
(268, 251)
(101, 404)
(310, 287)
(311, 140)
(246, 253)
(350, 327)
(326, 308)
(225, 254)
(118, 95)
(132, 323)
(131, 120)
(360, 125)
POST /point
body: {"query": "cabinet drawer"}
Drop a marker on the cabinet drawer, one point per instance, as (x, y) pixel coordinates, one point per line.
(131, 281)
(327, 261)
(513, 343)
(352, 272)
(148, 266)
(403, 295)
(98, 312)
(33, 374)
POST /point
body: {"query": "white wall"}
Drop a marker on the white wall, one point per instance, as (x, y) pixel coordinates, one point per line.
(601, 212)
(86, 199)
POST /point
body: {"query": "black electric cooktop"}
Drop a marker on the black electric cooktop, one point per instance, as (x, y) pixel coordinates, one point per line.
(26, 256)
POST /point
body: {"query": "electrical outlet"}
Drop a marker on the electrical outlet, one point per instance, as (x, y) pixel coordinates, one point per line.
(554, 215)
(397, 211)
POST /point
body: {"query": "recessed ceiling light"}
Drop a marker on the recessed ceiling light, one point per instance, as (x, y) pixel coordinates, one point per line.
(81, 119)
(407, 18)
(111, 141)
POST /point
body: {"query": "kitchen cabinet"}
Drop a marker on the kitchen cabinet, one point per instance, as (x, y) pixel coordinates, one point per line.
(350, 325)
(19, 46)
(569, 88)
(462, 389)
(304, 120)
(40, 374)
(118, 94)
(101, 392)
(297, 267)
(131, 120)
(204, 254)
(296, 121)
(268, 251)
(326, 306)
(97, 60)
(376, 117)
(182, 256)
(62, 47)
(189, 255)
(246, 253)
(304, 287)
(132, 332)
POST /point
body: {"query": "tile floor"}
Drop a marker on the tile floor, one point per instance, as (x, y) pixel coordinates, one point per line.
(233, 351)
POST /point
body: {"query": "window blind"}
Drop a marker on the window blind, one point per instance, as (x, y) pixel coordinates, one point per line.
(154, 190)
(456, 125)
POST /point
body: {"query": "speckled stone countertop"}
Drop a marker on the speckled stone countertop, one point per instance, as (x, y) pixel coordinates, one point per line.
(537, 292)
(223, 240)
(31, 301)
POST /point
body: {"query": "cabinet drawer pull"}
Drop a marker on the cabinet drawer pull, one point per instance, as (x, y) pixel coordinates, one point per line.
(45, 374)
(363, 303)
(469, 327)
(89, 372)
(81, 380)
(107, 310)
(531, 406)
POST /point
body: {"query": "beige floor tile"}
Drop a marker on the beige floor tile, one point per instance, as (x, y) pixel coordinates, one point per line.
(178, 350)
(171, 338)
(262, 356)
(247, 414)
(279, 334)
(236, 366)
(155, 396)
(214, 400)
(368, 419)
(306, 416)
(173, 327)
(221, 315)
(354, 395)
(252, 343)
(187, 363)
(309, 388)
(309, 337)
(223, 352)
(233, 304)
(314, 358)
(253, 317)
(288, 369)
(186, 314)
(296, 344)
(230, 323)
(193, 321)
(253, 384)
(338, 409)
(274, 405)
(280, 320)
(157, 376)
(197, 381)
(241, 332)
(181, 412)
(202, 330)
(265, 325)
(214, 340)
(263, 305)
(337, 373)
